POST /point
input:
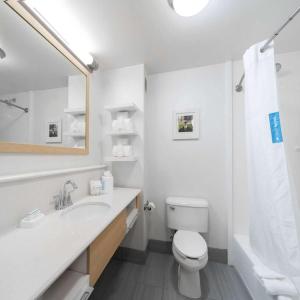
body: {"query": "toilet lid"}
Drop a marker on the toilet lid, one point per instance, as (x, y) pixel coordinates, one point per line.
(190, 244)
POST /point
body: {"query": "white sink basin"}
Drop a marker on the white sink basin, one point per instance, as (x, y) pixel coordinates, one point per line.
(85, 211)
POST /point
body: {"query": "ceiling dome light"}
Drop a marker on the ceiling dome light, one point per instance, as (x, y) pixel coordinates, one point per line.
(188, 8)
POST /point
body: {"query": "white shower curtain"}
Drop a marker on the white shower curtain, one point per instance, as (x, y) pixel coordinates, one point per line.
(273, 230)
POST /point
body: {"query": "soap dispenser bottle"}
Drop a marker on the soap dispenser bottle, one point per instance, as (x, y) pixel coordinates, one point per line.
(107, 182)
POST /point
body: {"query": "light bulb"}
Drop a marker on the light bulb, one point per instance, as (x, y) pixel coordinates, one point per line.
(67, 28)
(188, 8)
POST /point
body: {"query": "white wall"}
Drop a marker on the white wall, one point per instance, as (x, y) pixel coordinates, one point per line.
(76, 91)
(16, 199)
(48, 106)
(17, 126)
(289, 99)
(19, 198)
(15, 123)
(116, 87)
(188, 168)
(240, 203)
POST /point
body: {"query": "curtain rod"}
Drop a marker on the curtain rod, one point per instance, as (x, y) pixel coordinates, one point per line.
(266, 45)
(9, 103)
(239, 86)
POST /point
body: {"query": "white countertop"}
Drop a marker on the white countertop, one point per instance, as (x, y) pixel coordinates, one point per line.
(32, 259)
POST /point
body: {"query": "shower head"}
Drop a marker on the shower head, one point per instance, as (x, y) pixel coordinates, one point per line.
(2, 53)
(239, 86)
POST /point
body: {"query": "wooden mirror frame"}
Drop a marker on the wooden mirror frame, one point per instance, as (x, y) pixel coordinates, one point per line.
(53, 41)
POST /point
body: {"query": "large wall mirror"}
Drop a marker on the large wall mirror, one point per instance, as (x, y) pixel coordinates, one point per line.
(43, 89)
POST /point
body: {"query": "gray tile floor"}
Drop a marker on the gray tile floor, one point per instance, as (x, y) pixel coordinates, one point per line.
(157, 280)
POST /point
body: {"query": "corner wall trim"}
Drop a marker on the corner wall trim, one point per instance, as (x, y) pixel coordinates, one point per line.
(218, 255)
(34, 175)
(160, 246)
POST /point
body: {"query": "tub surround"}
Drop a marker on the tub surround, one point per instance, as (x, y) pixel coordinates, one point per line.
(32, 259)
(243, 260)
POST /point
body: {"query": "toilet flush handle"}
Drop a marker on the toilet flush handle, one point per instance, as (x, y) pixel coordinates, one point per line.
(172, 207)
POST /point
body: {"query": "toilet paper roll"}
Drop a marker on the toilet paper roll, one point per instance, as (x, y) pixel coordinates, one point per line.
(115, 125)
(128, 124)
(117, 151)
(152, 205)
(127, 150)
(149, 206)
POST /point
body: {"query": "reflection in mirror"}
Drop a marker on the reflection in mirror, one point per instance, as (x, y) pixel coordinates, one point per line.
(42, 94)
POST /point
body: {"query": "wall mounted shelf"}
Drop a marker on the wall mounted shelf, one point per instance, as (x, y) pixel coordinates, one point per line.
(127, 107)
(123, 133)
(124, 107)
(75, 111)
(121, 159)
(75, 135)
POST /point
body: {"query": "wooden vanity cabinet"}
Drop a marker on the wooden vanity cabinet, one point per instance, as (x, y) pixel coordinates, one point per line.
(104, 246)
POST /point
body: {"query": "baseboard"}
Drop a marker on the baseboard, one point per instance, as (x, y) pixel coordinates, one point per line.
(131, 255)
(216, 255)
(160, 246)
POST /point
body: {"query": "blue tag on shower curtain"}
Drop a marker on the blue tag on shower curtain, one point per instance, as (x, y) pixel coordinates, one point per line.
(275, 127)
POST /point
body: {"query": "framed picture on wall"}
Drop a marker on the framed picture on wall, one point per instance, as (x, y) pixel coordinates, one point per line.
(186, 125)
(54, 132)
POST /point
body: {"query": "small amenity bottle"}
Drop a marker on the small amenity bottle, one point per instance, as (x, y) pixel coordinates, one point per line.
(107, 182)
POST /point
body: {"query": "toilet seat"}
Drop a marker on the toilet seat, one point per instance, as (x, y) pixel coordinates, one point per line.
(190, 244)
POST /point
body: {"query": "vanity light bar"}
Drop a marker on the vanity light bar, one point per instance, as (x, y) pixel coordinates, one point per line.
(84, 57)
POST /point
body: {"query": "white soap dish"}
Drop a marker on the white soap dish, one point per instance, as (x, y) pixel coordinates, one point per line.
(32, 219)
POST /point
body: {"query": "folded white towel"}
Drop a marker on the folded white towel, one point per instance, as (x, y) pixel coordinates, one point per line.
(262, 271)
(279, 287)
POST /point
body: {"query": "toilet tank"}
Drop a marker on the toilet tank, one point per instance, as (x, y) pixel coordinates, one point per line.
(187, 214)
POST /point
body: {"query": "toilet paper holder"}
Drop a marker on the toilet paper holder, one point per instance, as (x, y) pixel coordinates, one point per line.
(149, 206)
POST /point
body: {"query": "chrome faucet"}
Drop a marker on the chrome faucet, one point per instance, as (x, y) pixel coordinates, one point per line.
(63, 199)
(67, 200)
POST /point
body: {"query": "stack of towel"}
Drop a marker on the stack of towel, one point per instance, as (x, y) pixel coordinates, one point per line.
(277, 284)
(78, 127)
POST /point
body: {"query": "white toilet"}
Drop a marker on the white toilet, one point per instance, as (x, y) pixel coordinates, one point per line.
(189, 217)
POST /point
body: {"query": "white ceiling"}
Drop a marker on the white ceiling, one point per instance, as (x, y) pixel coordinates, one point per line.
(127, 32)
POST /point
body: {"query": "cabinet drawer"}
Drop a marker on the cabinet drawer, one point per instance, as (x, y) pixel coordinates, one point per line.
(104, 246)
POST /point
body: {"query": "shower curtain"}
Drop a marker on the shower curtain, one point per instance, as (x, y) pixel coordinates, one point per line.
(273, 231)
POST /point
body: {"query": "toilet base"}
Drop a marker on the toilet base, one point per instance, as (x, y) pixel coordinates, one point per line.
(189, 283)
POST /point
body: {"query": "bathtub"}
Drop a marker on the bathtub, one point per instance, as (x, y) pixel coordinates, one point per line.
(243, 260)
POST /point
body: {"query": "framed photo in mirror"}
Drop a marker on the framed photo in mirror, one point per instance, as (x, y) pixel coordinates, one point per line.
(54, 132)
